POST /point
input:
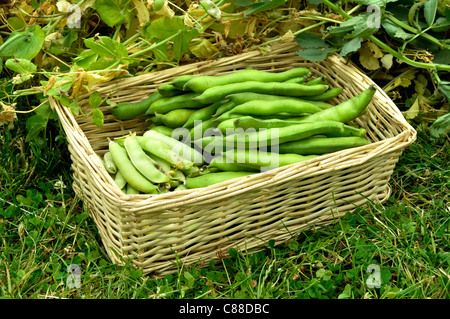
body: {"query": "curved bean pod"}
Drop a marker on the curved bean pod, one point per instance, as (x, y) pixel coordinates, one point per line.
(289, 133)
(273, 107)
(160, 149)
(217, 93)
(240, 98)
(345, 111)
(204, 82)
(213, 178)
(143, 163)
(126, 111)
(175, 118)
(257, 159)
(169, 103)
(321, 145)
(185, 151)
(129, 172)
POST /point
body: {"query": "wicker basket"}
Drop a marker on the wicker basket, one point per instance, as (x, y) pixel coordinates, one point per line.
(159, 233)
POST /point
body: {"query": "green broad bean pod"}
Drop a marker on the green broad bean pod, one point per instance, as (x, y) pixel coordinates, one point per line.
(223, 164)
(203, 82)
(185, 151)
(167, 131)
(167, 89)
(283, 134)
(257, 159)
(160, 149)
(321, 145)
(169, 103)
(273, 107)
(325, 96)
(218, 93)
(126, 110)
(345, 111)
(143, 163)
(129, 172)
(240, 98)
(213, 178)
(202, 114)
(175, 118)
(246, 122)
(109, 163)
(181, 80)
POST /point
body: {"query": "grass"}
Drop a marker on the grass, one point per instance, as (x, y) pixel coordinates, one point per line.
(44, 229)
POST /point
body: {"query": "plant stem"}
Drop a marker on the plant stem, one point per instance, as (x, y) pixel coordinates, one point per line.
(387, 48)
(417, 32)
(295, 33)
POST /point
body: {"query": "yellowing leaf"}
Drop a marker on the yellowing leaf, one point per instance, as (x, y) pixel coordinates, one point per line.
(166, 11)
(404, 79)
(7, 114)
(413, 111)
(387, 60)
(368, 56)
(142, 12)
(203, 49)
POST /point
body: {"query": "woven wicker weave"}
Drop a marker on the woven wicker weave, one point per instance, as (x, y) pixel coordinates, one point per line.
(158, 233)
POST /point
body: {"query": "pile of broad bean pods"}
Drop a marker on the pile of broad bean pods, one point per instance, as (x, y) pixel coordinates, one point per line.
(207, 129)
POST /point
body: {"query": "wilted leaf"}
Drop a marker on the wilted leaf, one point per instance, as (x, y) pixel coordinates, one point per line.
(7, 114)
(368, 56)
(405, 79)
(413, 111)
(142, 12)
(387, 60)
(203, 49)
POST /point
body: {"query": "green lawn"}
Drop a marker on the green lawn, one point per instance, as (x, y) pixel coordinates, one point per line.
(44, 229)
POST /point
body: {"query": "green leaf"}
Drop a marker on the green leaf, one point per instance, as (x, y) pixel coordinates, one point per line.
(429, 11)
(21, 65)
(95, 99)
(315, 54)
(314, 48)
(351, 46)
(358, 26)
(444, 88)
(97, 116)
(395, 31)
(165, 27)
(25, 44)
(106, 47)
(309, 40)
(440, 126)
(442, 57)
(35, 124)
(16, 23)
(113, 12)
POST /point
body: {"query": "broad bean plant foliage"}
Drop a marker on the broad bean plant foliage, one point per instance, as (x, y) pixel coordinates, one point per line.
(63, 48)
